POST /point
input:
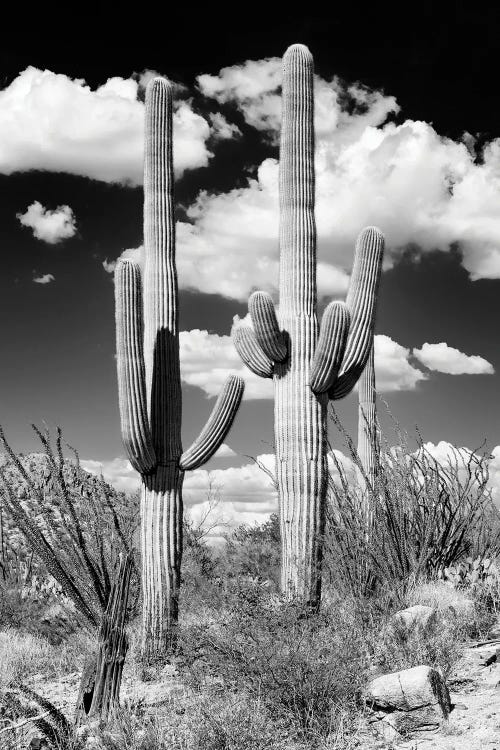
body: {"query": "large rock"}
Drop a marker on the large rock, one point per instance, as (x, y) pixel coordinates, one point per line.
(419, 616)
(404, 702)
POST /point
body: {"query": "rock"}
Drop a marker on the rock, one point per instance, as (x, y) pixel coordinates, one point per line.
(412, 700)
(418, 616)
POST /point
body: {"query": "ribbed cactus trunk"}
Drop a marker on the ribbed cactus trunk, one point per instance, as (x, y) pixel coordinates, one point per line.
(367, 420)
(161, 550)
(161, 497)
(309, 366)
(300, 414)
(149, 384)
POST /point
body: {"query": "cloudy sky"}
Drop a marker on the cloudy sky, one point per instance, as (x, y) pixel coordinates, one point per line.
(408, 138)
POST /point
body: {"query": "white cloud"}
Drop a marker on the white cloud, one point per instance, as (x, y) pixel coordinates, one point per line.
(224, 452)
(230, 248)
(393, 369)
(207, 359)
(51, 122)
(447, 359)
(221, 128)
(246, 493)
(49, 226)
(419, 187)
(457, 459)
(252, 86)
(118, 472)
(446, 453)
(44, 279)
(109, 265)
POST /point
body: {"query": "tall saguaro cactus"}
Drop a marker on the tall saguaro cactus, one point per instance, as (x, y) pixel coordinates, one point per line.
(367, 420)
(308, 366)
(149, 382)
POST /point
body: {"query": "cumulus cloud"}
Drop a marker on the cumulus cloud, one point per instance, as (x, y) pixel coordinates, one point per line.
(221, 128)
(46, 278)
(49, 226)
(421, 188)
(457, 459)
(252, 86)
(49, 121)
(231, 245)
(447, 359)
(246, 493)
(207, 359)
(118, 472)
(109, 265)
(224, 452)
(393, 369)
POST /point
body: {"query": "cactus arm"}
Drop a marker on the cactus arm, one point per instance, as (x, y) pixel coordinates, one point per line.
(331, 346)
(218, 425)
(250, 352)
(266, 327)
(130, 366)
(361, 302)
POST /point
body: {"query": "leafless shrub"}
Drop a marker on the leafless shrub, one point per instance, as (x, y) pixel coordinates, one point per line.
(411, 519)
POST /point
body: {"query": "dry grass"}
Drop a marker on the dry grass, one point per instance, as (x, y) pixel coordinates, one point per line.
(440, 595)
(23, 655)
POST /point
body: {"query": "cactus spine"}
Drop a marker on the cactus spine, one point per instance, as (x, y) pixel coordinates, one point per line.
(309, 366)
(149, 383)
(367, 421)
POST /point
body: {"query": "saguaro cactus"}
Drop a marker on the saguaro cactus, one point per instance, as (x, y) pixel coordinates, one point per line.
(308, 366)
(367, 420)
(150, 387)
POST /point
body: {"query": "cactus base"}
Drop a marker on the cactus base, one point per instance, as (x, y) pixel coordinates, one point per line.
(161, 547)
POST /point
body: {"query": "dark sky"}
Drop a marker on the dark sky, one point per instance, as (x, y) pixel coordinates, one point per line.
(58, 339)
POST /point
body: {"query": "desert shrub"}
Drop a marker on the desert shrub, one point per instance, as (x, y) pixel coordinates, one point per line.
(71, 523)
(253, 551)
(414, 518)
(196, 723)
(303, 669)
(198, 563)
(440, 645)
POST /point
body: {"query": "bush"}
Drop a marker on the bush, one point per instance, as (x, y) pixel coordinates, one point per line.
(253, 551)
(55, 515)
(305, 670)
(410, 521)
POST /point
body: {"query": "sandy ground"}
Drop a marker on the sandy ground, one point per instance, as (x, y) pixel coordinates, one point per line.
(474, 723)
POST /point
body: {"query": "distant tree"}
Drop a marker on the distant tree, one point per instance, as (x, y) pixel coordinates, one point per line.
(254, 551)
